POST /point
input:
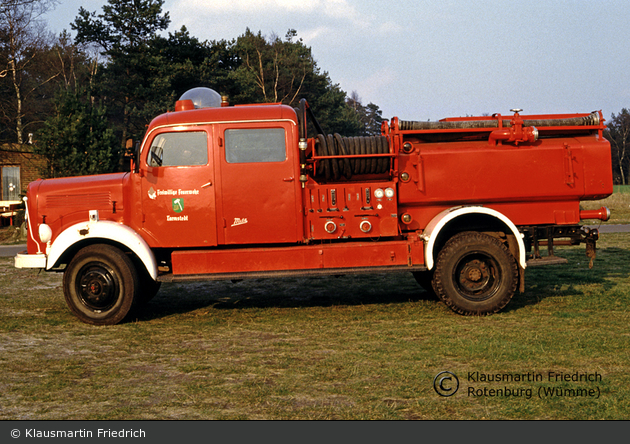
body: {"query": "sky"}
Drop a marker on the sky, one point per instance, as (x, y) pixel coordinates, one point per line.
(428, 59)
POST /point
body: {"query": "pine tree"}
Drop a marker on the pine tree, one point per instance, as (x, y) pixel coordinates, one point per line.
(77, 139)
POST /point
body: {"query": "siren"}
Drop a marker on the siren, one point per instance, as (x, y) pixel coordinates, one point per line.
(197, 98)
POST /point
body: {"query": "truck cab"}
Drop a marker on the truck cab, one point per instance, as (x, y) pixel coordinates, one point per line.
(220, 176)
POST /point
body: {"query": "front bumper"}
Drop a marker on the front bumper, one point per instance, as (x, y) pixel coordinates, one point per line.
(23, 260)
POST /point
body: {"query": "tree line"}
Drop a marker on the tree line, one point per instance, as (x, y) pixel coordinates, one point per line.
(618, 134)
(81, 98)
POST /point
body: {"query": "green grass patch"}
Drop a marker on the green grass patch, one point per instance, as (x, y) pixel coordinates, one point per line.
(361, 347)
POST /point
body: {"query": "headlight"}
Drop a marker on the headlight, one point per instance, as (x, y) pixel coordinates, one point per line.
(45, 233)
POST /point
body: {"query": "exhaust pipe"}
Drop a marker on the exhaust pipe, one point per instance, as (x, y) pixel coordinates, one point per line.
(602, 214)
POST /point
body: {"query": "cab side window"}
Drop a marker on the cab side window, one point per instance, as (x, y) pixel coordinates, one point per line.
(179, 149)
(255, 145)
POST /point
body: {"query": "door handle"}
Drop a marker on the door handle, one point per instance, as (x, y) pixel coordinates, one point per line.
(205, 185)
(288, 179)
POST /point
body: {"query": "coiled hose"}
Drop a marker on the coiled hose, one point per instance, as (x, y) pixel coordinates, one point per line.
(336, 145)
(408, 125)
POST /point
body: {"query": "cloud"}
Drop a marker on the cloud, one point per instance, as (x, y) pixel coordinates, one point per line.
(370, 88)
(349, 38)
(216, 7)
(340, 17)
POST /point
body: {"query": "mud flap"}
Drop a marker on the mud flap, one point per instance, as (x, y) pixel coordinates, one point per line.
(591, 250)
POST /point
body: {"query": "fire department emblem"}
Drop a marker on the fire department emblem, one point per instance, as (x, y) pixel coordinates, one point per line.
(178, 205)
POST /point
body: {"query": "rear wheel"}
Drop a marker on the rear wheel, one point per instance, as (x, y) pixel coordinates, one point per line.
(475, 274)
(100, 285)
(425, 280)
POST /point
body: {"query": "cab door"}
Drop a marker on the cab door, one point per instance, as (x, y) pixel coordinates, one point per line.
(258, 183)
(178, 197)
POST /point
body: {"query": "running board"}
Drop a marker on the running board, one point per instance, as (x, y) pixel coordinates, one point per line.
(547, 260)
(286, 273)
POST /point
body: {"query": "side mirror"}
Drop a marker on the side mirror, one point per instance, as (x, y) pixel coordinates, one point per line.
(132, 154)
(136, 157)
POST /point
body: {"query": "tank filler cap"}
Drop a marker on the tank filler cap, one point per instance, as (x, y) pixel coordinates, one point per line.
(202, 97)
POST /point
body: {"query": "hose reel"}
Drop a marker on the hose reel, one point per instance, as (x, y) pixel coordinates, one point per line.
(336, 145)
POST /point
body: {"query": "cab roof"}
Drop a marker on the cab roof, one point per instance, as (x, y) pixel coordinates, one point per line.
(238, 113)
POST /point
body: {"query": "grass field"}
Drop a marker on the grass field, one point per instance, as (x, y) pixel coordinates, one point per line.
(324, 348)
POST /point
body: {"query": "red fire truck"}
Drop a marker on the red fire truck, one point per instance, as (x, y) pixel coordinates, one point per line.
(232, 192)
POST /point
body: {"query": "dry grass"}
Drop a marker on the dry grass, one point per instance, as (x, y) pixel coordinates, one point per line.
(322, 348)
(619, 205)
(12, 236)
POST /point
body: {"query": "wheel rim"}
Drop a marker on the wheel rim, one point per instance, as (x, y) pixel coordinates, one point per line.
(477, 276)
(97, 287)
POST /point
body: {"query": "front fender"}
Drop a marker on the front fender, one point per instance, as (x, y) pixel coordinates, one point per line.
(434, 227)
(116, 232)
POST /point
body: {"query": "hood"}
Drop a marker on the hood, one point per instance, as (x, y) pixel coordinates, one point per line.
(68, 196)
(65, 201)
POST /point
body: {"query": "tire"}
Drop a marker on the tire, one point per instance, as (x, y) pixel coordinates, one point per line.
(100, 285)
(147, 287)
(475, 274)
(425, 280)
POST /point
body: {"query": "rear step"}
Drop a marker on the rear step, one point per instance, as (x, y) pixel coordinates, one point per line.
(547, 260)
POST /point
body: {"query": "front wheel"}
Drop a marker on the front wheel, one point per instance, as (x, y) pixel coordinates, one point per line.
(100, 285)
(475, 274)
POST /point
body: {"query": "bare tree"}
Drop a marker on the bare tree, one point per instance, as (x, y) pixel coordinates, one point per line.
(22, 36)
(7, 5)
(618, 133)
(354, 101)
(369, 116)
(278, 68)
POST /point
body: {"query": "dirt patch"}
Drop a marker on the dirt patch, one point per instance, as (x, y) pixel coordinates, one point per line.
(12, 235)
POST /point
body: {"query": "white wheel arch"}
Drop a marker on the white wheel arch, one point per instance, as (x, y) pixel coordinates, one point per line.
(433, 228)
(116, 232)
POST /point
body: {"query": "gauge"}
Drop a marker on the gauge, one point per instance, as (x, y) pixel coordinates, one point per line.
(330, 227)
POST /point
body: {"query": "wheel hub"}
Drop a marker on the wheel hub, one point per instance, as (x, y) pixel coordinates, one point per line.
(475, 278)
(97, 288)
(474, 275)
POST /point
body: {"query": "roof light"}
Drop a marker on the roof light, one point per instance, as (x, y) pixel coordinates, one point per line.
(202, 97)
